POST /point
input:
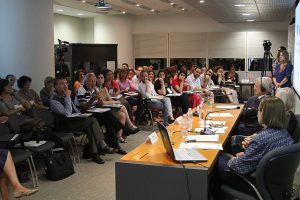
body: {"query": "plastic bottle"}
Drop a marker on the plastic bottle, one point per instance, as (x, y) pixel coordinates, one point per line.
(190, 120)
(211, 100)
(201, 111)
(184, 127)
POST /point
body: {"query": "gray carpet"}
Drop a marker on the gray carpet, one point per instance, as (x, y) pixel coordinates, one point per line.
(91, 181)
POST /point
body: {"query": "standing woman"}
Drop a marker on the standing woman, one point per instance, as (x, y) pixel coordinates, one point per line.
(79, 80)
(283, 71)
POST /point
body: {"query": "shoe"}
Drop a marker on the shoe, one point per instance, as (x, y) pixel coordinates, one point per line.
(108, 150)
(18, 194)
(97, 159)
(130, 131)
(121, 151)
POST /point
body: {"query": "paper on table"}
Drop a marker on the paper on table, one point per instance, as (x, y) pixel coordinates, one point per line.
(213, 129)
(201, 145)
(99, 110)
(203, 138)
(227, 107)
(220, 115)
(117, 97)
(80, 115)
(212, 122)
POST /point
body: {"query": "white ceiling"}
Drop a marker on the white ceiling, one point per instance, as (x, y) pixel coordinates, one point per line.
(222, 11)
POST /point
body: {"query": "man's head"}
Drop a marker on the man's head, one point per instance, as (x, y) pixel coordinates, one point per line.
(90, 81)
(139, 69)
(197, 72)
(61, 85)
(144, 75)
(125, 66)
(262, 86)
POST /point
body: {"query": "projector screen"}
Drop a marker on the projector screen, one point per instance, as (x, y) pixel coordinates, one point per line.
(296, 72)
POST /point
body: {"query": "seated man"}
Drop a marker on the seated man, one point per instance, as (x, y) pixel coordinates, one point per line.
(194, 81)
(147, 90)
(62, 105)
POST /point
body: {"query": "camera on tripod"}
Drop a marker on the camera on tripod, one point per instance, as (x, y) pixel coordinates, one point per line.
(267, 45)
(60, 50)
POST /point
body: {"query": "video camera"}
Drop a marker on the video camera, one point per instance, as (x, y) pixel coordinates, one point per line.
(61, 48)
(267, 45)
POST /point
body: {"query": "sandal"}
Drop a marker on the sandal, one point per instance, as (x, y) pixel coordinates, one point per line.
(121, 139)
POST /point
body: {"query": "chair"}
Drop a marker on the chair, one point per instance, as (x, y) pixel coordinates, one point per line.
(14, 123)
(61, 138)
(296, 133)
(19, 155)
(274, 176)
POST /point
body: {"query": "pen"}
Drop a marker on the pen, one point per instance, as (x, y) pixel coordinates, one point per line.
(143, 156)
(190, 141)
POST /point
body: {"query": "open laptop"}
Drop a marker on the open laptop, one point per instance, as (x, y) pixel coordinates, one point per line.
(179, 155)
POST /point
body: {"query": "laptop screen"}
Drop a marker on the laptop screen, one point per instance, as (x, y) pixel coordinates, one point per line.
(166, 140)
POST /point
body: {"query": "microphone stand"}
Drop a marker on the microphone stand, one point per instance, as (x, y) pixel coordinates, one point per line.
(209, 132)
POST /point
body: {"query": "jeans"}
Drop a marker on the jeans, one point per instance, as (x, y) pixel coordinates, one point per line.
(165, 105)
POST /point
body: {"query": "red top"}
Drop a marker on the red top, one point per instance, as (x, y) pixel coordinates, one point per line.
(177, 81)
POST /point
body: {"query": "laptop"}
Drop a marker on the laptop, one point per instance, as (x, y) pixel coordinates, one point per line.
(179, 155)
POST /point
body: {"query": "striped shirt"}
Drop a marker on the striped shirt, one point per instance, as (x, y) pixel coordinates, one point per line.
(265, 141)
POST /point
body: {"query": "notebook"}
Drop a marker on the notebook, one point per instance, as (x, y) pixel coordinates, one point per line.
(179, 155)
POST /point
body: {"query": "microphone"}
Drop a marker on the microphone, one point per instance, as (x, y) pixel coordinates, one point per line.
(209, 132)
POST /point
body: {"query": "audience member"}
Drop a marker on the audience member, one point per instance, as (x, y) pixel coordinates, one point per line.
(232, 75)
(131, 74)
(151, 76)
(283, 71)
(8, 175)
(62, 105)
(46, 92)
(12, 80)
(195, 81)
(276, 60)
(125, 66)
(136, 79)
(28, 94)
(147, 90)
(79, 79)
(11, 103)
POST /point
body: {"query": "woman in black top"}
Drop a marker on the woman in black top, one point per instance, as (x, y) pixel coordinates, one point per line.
(231, 75)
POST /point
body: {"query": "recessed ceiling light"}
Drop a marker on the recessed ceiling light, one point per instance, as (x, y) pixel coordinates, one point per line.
(172, 4)
(201, 1)
(59, 10)
(138, 5)
(246, 14)
(124, 12)
(83, 1)
(183, 9)
(80, 14)
(152, 10)
(239, 5)
(250, 20)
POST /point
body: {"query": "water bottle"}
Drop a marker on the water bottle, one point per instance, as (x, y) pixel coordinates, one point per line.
(211, 100)
(184, 127)
(201, 111)
(190, 120)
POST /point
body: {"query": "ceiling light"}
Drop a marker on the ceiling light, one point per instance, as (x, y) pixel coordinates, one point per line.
(59, 10)
(250, 20)
(83, 1)
(246, 14)
(239, 5)
(201, 1)
(183, 9)
(138, 5)
(172, 4)
(80, 14)
(124, 12)
(152, 10)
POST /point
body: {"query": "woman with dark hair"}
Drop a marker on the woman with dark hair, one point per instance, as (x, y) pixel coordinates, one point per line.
(28, 94)
(11, 103)
(8, 175)
(79, 79)
(151, 76)
(231, 75)
(131, 74)
(274, 135)
(283, 71)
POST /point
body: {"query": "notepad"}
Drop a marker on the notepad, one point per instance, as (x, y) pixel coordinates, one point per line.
(227, 107)
(203, 138)
(117, 97)
(212, 122)
(201, 145)
(174, 95)
(34, 143)
(220, 115)
(98, 110)
(131, 94)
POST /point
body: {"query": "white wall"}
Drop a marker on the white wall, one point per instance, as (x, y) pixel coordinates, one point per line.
(27, 39)
(115, 30)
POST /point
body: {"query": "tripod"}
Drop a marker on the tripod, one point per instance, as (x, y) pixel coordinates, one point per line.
(266, 67)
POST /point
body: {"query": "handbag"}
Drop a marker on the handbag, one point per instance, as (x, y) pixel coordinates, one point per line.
(59, 166)
(33, 129)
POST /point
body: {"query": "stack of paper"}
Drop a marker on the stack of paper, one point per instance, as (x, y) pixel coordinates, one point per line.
(220, 115)
(227, 107)
(213, 129)
(202, 138)
(201, 145)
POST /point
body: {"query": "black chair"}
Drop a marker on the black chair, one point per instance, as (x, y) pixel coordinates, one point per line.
(19, 155)
(14, 123)
(296, 133)
(273, 179)
(61, 138)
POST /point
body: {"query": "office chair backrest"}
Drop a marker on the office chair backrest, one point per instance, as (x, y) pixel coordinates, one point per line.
(15, 121)
(45, 115)
(4, 129)
(296, 132)
(275, 172)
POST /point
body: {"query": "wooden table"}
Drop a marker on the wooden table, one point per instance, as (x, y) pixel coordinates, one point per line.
(147, 172)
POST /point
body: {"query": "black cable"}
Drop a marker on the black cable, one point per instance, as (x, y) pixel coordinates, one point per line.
(187, 182)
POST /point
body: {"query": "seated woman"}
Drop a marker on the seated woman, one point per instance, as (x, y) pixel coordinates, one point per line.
(231, 75)
(131, 74)
(274, 135)
(146, 89)
(218, 78)
(46, 92)
(121, 113)
(8, 175)
(180, 84)
(11, 103)
(79, 79)
(162, 87)
(151, 76)
(12, 80)
(28, 94)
